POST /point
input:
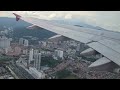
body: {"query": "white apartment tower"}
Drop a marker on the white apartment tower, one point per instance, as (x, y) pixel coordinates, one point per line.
(21, 41)
(26, 42)
(31, 55)
(59, 53)
(36, 51)
(37, 61)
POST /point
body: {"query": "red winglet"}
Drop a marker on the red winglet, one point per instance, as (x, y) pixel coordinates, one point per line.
(17, 16)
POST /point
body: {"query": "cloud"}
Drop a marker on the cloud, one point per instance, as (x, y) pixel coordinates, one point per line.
(5, 13)
(68, 16)
(52, 15)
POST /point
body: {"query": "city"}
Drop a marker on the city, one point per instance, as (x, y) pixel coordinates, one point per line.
(50, 59)
(29, 55)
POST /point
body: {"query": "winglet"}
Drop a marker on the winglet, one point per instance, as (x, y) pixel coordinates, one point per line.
(17, 16)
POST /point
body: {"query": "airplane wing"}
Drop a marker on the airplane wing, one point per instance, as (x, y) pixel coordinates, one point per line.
(103, 41)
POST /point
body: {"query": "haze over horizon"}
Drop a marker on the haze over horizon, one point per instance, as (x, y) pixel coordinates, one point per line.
(109, 20)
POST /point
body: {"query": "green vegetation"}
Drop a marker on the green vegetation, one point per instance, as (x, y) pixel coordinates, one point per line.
(39, 33)
(63, 74)
(45, 49)
(5, 58)
(49, 61)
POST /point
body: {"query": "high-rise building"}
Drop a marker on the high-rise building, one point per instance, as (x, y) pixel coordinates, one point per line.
(36, 51)
(59, 54)
(26, 42)
(31, 55)
(37, 61)
(21, 41)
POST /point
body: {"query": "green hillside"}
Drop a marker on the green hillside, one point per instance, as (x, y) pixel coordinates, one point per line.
(20, 30)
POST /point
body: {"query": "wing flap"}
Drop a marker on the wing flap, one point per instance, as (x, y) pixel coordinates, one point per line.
(88, 51)
(100, 61)
(106, 51)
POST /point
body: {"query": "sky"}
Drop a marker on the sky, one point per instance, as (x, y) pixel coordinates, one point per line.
(107, 19)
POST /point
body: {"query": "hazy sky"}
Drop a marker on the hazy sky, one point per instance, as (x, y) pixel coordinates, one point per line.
(106, 19)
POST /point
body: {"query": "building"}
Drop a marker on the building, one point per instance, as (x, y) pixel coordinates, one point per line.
(44, 43)
(15, 51)
(58, 54)
(72, 43)
(37, 61)
(4, 42)
(26, 42)
(21, 41)
(37, 74)
(30, 58)
(30, 55)
(25, 51)
(36, 51)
